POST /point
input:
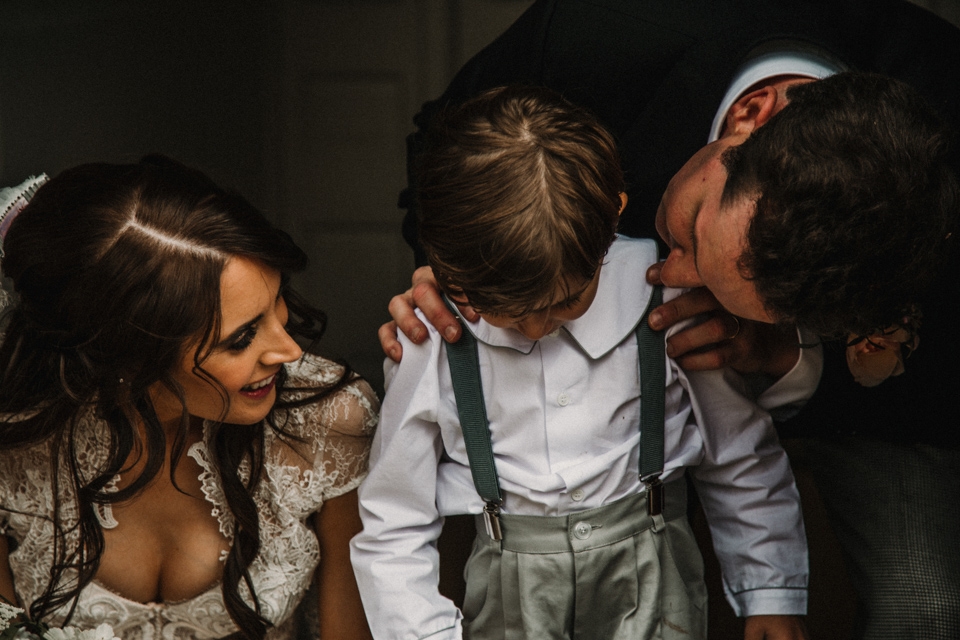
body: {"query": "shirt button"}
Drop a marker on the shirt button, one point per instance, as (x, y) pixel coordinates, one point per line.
(563, 399)
(582, 530)
(577, 495)
(554, 333)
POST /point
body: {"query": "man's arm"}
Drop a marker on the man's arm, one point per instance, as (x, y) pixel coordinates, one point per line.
(722, 340)
(423, 294)
(719, 341)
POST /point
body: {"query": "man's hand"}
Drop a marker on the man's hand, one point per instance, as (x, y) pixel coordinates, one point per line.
(423, 294)
(775, 628)
(722, 339)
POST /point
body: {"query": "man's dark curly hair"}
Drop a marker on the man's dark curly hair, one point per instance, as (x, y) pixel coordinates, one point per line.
(855, 203)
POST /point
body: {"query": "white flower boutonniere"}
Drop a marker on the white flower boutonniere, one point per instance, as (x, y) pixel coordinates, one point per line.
(874, 358)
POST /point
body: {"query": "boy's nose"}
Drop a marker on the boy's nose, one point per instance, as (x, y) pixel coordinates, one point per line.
(535, 327)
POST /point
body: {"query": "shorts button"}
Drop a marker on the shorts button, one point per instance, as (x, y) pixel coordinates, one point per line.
(582, 530)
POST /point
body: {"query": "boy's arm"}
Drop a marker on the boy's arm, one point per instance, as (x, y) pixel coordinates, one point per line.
(748, 493)
(395, 557)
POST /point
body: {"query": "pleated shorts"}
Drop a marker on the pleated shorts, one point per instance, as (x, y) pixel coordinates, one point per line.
(610, 573)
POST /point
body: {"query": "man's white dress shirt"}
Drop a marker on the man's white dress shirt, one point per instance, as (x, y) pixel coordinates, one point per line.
(564, 415)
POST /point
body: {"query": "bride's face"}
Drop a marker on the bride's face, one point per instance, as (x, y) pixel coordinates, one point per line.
(245, 358)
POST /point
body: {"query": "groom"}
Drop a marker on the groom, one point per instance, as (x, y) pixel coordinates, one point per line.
(840, 235)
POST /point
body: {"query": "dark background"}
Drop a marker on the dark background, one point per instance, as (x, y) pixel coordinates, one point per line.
(302, 106)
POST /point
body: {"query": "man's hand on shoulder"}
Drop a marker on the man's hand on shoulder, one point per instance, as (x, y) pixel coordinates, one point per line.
(722, 339)
(423, 294)
(775, 628)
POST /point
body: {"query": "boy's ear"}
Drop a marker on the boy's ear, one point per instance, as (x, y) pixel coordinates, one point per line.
(750, 111)
(623, 202)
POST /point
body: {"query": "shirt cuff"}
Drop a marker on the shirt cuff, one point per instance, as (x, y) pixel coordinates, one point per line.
(785, 397)
(450, 633)
(770, 602)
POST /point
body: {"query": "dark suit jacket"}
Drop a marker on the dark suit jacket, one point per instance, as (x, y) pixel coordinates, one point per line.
(655, 72)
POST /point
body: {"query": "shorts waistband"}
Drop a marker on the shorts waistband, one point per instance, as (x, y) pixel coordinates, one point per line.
(587, 529)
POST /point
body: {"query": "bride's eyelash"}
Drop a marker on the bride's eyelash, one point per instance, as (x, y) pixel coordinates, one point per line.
(244, 340)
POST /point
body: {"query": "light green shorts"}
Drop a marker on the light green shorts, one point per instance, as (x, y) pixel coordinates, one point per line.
(608, 573)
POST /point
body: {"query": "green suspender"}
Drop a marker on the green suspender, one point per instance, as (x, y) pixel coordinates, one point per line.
(653, 371)
(468, 391)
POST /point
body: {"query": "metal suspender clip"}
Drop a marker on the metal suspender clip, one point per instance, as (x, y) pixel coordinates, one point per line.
(654, 494)
(491, 518)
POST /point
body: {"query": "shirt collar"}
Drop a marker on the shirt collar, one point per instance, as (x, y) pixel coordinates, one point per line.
(793, 59)
(622, 298)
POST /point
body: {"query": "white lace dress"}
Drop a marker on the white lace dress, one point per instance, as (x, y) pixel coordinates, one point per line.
(299, 477)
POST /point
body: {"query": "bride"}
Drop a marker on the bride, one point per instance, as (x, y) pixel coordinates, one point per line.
(171, 462)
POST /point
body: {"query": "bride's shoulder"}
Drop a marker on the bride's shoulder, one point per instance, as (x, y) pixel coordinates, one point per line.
(330, 433)
(350, 410)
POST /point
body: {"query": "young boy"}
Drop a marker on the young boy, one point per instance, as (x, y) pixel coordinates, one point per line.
(582, 529)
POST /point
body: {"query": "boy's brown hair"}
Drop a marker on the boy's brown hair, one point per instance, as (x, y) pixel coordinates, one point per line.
(519, 191)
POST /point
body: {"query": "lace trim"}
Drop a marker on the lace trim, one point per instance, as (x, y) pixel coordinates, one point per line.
(104, 512)
(211, 488)
(298, 478)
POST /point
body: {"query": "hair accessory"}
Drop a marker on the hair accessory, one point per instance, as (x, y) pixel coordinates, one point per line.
(12, 202)
(14, 199)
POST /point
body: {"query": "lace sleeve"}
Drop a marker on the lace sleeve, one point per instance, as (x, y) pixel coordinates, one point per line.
(335, 432)
(351, 416)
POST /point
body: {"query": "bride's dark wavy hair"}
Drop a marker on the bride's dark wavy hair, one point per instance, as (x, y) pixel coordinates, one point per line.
(116, 269)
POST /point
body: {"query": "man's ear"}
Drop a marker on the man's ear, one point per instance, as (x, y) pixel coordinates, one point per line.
(750, 111)
(623, 202)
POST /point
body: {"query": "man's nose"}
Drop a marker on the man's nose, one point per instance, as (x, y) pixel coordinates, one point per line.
(679, 270)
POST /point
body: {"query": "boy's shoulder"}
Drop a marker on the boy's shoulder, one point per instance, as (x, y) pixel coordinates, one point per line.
(624, 269)
(641, 252)
(630, 258)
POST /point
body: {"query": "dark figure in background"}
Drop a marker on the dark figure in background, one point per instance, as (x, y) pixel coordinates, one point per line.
(668, 77)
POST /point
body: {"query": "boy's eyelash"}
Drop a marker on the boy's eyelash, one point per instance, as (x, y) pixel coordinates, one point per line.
(566, 304)
(569, 302)
(244, 340)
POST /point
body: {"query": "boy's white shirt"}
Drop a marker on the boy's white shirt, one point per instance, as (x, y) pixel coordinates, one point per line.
(564, 414)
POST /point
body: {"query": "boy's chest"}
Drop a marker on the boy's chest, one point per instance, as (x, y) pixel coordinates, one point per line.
(556, 406)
